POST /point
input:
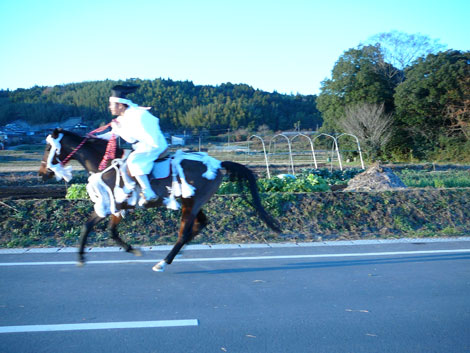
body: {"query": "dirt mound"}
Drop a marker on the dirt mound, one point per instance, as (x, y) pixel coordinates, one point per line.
(376, 178)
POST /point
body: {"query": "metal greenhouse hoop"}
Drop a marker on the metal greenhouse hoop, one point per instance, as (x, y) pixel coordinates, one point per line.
(290, 149)
(358, 146)
(335, 146)
(264, 152)
(311, 145)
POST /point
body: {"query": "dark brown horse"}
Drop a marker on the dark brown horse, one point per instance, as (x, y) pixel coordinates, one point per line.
(89, 151)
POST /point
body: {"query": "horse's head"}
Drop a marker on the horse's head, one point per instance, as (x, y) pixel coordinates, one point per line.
(57, 150)
(63, 145)
(44, 172)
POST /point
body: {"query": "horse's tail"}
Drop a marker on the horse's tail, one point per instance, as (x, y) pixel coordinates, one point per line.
(241, 173)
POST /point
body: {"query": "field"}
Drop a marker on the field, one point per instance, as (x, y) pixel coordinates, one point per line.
(437, 203)
(19, 167)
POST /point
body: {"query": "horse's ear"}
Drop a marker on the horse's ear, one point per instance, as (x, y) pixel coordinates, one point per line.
(55, 133)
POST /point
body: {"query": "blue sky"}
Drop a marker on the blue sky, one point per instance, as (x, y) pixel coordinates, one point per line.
(286, 46)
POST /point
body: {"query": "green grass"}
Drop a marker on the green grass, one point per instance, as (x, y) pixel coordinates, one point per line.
(419, 213)
(435, 179)
(76, 192)
(319, 180)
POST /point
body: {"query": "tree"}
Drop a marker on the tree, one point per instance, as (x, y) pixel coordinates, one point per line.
(370, 124)
(433, 100)
(179, 105)
(399, 50)
(458, 108)
(356, 79)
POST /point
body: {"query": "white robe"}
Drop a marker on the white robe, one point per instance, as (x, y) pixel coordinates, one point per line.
(141, 128)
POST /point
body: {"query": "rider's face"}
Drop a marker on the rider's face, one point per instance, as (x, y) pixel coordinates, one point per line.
(117, 108)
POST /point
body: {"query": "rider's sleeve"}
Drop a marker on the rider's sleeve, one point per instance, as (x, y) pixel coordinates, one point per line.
(124, 130)
(149, 130)
(105, 136)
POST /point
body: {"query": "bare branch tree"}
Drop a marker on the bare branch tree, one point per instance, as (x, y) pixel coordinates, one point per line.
(370, 124)
(457, 110)
(459, 116)
(399, 50)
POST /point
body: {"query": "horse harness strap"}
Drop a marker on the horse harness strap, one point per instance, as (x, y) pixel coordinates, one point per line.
(110, 152)
(87, 137)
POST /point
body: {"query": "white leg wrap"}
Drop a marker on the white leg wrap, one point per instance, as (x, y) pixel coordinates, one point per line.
(129, 184)
(144, 183)
(160, 267)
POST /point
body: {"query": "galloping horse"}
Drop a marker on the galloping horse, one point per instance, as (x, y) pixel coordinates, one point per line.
(192, 173)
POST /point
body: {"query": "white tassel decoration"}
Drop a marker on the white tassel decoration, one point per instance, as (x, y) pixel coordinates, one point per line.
(186, 189)
(171, 203)
(210, 174)
(213, 165)
(176, 188)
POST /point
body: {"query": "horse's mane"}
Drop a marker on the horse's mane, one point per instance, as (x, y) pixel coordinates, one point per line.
(97, 144)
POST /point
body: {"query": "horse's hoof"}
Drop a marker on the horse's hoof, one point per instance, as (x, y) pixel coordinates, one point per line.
(160, 267)
(136, 252)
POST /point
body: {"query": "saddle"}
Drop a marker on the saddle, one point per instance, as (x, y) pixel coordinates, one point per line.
(161, 166)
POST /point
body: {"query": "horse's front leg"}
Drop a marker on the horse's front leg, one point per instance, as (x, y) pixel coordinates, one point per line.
(112, 228)
(92, 221)
(184, 235)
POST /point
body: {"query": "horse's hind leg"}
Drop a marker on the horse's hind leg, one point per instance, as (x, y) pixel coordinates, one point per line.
(112, 228)
(199, 224)
(92, 221)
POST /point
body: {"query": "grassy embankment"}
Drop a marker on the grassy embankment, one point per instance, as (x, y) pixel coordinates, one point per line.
(439, 207)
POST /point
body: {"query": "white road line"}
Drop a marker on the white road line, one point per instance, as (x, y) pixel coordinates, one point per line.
(98, 326)
(243, 258)
(240, 246)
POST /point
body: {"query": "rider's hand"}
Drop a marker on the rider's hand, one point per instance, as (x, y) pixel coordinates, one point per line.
(115, 124)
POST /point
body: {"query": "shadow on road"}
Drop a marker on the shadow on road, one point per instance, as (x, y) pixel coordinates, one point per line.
(342, 263)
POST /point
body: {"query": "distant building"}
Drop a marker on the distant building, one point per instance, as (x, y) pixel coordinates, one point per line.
(72, 123)
(16, 128)
(20, 131)
(178, 140)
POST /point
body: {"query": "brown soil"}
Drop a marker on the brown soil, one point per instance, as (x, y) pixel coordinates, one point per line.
(33, 192)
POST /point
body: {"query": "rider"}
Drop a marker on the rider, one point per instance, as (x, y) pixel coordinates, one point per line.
(137, 126)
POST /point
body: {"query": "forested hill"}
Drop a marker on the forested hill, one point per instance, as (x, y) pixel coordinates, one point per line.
(179, 105)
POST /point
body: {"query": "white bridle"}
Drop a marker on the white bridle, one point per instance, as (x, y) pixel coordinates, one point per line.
(59, 170)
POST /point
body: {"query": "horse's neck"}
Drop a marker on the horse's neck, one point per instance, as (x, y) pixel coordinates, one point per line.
(88, 158)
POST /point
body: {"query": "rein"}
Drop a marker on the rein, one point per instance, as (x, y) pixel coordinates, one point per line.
(110, 148)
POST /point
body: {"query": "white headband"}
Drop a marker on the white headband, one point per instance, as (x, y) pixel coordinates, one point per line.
(127, 102)
(122, 101)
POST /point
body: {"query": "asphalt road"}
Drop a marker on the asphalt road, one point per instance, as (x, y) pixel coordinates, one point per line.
(341, 297)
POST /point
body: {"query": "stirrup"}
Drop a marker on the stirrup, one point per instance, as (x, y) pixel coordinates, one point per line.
(146, 197)
(147, 191)
(150, 198)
